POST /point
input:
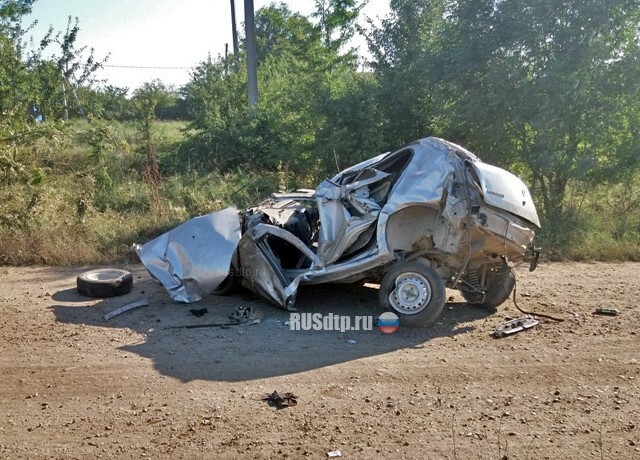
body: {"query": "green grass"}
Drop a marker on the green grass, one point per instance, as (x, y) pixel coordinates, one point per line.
(602, 224)
(94, 201)
(90, 209)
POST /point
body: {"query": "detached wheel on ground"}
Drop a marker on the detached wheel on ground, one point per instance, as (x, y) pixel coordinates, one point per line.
(499, 285)
(414, 291)
(105, 282)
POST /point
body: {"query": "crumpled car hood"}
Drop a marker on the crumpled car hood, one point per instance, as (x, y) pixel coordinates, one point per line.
(183, 260)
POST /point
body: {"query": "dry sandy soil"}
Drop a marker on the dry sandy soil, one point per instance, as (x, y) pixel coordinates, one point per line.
(73, 385)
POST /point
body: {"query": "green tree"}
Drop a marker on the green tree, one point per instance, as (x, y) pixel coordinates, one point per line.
(314, 107)
(109, 102)
(549, 83)
(14, 76)
(10, 65)
(352, 121)
(26, 77)
(13, 10)
(76, 66)
(337, 21)
(46, 84)
(146, 100)
(543, 85)
(279, 31)
(216, 107)
(407, 53)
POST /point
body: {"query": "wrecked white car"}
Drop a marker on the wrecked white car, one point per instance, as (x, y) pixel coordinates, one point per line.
(428, 216)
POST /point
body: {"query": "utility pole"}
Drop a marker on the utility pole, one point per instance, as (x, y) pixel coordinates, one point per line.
(252, 60)
(226, 62)
(234, 30)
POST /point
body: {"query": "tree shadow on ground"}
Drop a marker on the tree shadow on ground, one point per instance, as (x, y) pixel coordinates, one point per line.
(267, 349)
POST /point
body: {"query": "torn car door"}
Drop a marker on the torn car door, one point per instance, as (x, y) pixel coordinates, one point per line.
(261, 267)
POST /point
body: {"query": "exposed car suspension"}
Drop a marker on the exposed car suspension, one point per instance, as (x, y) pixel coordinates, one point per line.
(473, 280)
(470, 283)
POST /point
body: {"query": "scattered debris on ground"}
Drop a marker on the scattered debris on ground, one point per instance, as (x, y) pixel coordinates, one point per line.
(513, 325)
(125, 308)
(281, 401)
(76, 386)
(241, 315)
(198, 312)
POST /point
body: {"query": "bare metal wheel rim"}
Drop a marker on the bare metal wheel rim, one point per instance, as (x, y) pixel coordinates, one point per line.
(104, 275)
(412, 293)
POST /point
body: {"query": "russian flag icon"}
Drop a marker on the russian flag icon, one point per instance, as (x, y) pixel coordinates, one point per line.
(388, 322)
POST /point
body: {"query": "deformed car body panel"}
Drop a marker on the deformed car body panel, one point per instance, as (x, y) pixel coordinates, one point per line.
(423, 180)
(194, 258)
(341, 227)
(430, 199)
(264, 274)
(504, 190)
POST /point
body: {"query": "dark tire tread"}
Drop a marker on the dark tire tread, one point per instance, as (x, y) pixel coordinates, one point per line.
(500, 288)
(229, 286)
(118, 285)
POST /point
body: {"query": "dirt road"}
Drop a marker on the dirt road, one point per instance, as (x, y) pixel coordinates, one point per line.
(73, 385)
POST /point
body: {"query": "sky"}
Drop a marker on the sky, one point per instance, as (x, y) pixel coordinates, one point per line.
(177, 34)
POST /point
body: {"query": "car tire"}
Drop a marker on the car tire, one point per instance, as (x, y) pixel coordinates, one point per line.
(229, 285)
(500, 284)
(414, 291)
(105, 282)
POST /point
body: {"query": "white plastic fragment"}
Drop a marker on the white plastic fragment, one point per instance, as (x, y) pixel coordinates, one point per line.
(127, 307)
(334, 453)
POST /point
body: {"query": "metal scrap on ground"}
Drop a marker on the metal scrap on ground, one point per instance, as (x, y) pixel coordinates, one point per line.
(127, 307)
(606, 311)
(241, 315)
(511, 326)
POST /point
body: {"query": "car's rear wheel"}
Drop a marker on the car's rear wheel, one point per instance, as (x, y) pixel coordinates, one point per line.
(498, 287)
(414, 291)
